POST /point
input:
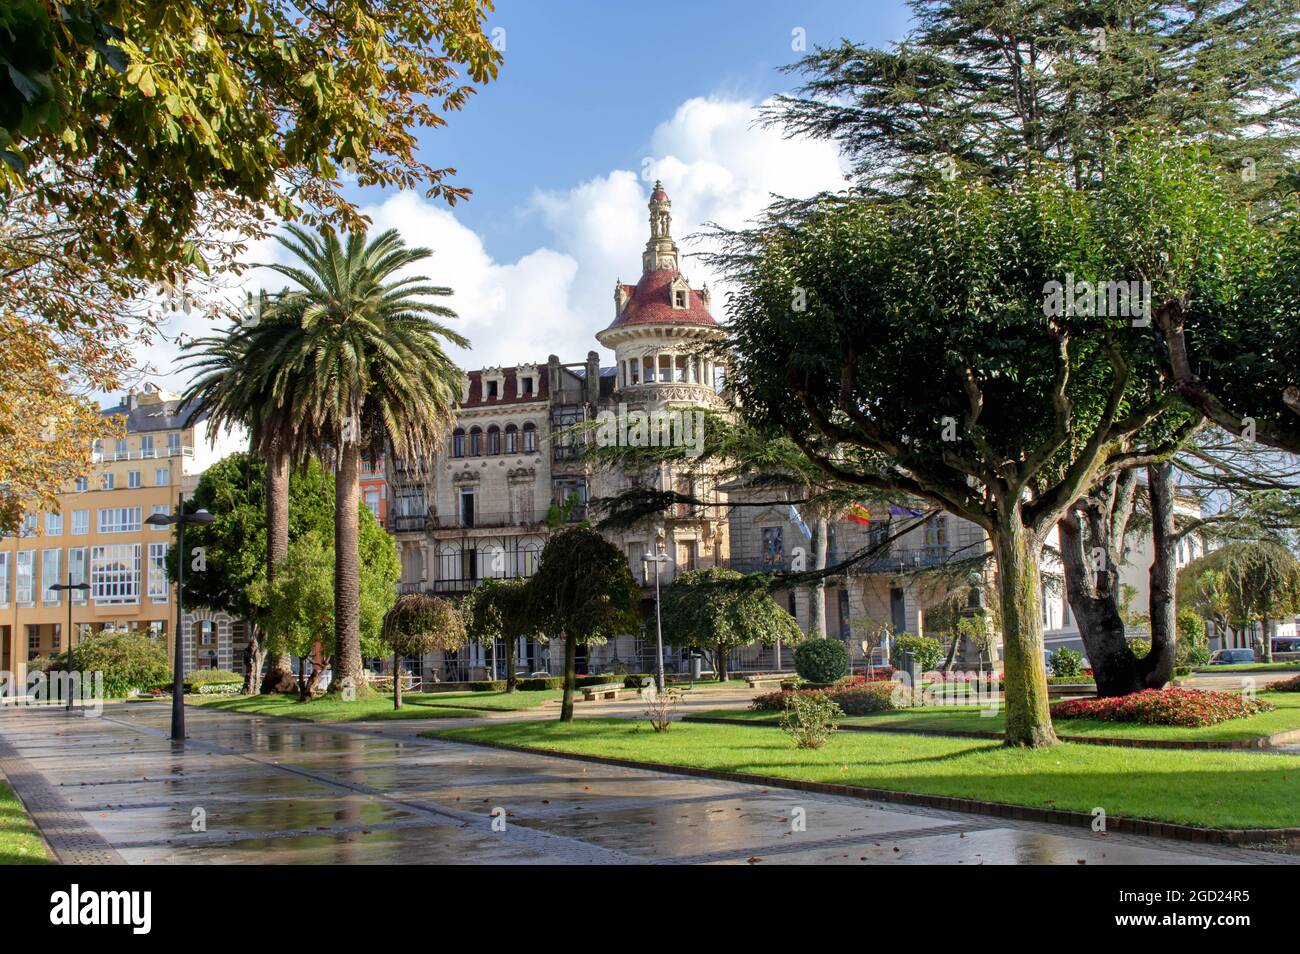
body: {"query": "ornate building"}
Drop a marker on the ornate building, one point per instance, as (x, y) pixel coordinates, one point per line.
(511, 472)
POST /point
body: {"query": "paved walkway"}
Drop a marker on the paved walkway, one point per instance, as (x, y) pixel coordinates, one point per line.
(259, 790)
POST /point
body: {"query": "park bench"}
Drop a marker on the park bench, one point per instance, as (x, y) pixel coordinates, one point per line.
(608, 690)
(765, 682)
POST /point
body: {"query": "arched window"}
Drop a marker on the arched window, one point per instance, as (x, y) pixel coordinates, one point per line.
(512, 439)
(458, 443)
(494, 440)
(530, 438)
(634, 371)
(475, 442)
(649, 369)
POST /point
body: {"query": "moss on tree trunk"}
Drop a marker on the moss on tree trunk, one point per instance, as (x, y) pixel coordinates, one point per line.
(1024, 686)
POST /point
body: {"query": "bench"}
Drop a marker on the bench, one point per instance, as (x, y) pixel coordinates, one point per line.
(762, 682)
(609, 690)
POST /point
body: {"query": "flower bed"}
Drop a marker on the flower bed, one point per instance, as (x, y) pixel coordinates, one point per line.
(1286, 685)
(855, 698)
(1185, 707)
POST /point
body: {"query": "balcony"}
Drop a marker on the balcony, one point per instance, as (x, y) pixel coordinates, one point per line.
(896, 560)
(158, 453)
(477, 521)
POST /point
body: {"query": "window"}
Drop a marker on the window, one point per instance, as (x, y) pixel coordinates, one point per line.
(115, 573)
(173, 443)
(120, 449)
(81, 485)
(207, 632)
(4, 579)
(146, 445)
(133, 479)
(634, 371)
(158, 573)
(530, 438)
(372, 501)
(526, 387)
(119, 519)
(80, 522)
(77, 573)
(494, 440)
(458, 443)
(54, 524)
(50, 576)
(512, 439)
(650, 369)
(29, 525)
(1065, 611)
(773, 546)
(679, 298)
(163, 509)
(58, 637)
(106, 482)
(161, 477)
(492, 390)
(33, 640)
(475, 442)
(25, 578)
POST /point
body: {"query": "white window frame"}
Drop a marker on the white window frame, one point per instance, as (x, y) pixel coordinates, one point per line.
(162, 476)
(4, 578)
(134, 480)
(115, 574)
(54, 524)
(25, 595)
(77, 573)
(51, 565)
(158, 589)
(164, 509)
(80, 523)
(119, 520)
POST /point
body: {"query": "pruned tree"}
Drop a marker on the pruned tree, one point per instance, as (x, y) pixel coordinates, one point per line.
(583, 593)
(1241, 584)
(420, 623)
(719, 611)
(498, 609)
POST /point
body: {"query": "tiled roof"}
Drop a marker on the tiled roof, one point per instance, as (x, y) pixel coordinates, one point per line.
(508, 388)
(146, 418)
(651, 303)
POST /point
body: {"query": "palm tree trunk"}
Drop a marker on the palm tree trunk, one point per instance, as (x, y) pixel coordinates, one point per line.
(279, 667)
(347, 592)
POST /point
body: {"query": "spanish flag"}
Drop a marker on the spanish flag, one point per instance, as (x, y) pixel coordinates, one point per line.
(858, 514)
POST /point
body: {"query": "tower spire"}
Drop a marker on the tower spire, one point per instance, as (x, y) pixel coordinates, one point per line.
(660, 250)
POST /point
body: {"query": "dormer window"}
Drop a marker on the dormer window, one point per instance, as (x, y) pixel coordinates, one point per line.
(492, 391)
(679, 298)
(526, 387)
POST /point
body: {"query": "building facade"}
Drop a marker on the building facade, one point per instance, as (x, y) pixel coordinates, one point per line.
(98, 536)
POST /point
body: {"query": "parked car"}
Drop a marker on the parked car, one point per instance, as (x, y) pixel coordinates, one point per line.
(1232, 657)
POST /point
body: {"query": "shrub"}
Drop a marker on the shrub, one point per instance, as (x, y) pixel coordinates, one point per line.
(659, 708)
(539, 683)
(821, 660)
(1066, 662)
(128, 660)
(865, 698)
(581, 682)
(811, 718)
(217, 678)
(1185, 707)
(1140, 647)
(1286, 685)
(1192, 648)
(928, 652)
(771, 701)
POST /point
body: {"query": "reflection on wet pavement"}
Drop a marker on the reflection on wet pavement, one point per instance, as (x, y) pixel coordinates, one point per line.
(267, 791)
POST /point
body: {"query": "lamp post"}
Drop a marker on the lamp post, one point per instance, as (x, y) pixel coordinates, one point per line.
(180, 518)
(70, 586)
(658, 559)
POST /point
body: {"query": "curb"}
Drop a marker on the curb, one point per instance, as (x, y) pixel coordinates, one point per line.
(1055, 816)
(1255, 744)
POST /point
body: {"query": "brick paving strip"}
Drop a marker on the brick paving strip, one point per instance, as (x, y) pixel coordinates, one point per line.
(64, 828)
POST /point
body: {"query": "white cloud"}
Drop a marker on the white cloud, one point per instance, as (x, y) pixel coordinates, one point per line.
(716, 166)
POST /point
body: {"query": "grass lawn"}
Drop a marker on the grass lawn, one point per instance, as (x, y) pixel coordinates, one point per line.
(496, 701)
(332, 709)
(1209, 789)
(1250, 667)
(20, 844)
(1285, 718)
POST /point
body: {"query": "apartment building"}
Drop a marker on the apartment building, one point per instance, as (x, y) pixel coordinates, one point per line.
(98, 535)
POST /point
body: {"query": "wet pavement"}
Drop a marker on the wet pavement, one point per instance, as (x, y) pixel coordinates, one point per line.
(255, 790)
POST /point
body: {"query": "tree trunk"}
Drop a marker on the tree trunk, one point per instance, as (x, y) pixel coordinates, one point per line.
(720, 669)
(1158, 666)
(254, 657)
(510, 664)
(347, 594)
(570, 676)
(397, 681)
(817, 591)
(1093, 597)
(279, 669)
(304, 691)
(1029, 723)
(1270, 627)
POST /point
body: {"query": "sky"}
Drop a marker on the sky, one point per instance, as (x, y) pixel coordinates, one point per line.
(595, 100)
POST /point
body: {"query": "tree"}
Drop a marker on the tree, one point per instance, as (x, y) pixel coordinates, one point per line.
(699, 613)
(359, 364)
(143, 144)
(417, 624)
(235, 544)
(1241, 584)
(583, 593)
(920, 347)
(498, 609)
(300, 601)
(232, 386)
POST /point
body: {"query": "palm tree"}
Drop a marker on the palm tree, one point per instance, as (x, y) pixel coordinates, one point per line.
(232, 387)
(360, 367)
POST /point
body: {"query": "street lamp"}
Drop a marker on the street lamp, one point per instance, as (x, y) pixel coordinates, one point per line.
(657, 559)
(180, 518)
(60, 587)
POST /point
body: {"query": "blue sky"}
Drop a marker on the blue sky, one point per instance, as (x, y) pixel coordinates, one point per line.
(595, 100)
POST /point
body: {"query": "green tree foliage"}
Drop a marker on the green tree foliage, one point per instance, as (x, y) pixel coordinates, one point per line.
(1241, 584)
(928, 651)
(821, 660)
(583, 593)
(700, 610)
(419, 623)
(498, 609)
(129, 660)
(915, 347)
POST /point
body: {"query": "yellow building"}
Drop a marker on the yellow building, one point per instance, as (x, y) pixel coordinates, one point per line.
(98, 535)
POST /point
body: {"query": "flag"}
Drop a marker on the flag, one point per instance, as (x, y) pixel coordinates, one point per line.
(798, 522)
(858, 514)
(897, 511)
